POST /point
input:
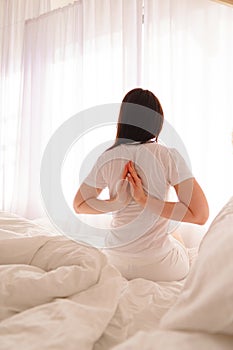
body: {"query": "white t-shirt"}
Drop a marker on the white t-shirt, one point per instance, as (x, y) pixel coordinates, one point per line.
(136, 230)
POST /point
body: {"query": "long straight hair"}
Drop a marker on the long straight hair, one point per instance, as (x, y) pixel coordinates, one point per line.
(140, 119)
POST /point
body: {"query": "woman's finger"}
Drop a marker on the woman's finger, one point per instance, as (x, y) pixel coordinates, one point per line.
(132, 185)
(125, 171)
(134, 173)
(124, 185)
(131, 179)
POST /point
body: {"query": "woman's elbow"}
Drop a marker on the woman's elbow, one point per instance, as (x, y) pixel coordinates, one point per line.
(201, 220)
(202, 216)
(76, 207)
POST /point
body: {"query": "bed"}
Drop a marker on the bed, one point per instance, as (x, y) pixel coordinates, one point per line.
(56, 293)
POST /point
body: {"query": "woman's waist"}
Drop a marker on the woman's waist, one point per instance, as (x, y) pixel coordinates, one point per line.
(136, 249)
(138, 241)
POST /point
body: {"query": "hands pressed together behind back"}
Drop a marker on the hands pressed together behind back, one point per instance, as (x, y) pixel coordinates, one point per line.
(131, 183)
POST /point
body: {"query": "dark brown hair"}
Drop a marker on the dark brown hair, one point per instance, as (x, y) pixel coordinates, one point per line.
(140, 118)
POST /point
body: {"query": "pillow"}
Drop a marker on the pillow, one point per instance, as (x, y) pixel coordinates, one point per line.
(206, 301)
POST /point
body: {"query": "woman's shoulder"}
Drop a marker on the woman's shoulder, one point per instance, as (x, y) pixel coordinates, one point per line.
(167, 155)
(163, 149)
(157, 148)
(110, 154)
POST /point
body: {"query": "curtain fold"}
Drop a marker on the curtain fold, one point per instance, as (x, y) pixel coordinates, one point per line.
(75, 57)
(92, 52)
(188, 55)
(13, 14)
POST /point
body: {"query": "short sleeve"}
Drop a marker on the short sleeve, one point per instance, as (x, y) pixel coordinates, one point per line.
(178, 170)
(95, 178)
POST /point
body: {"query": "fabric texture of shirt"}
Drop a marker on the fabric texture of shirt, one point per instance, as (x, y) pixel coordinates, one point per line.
(136, 230)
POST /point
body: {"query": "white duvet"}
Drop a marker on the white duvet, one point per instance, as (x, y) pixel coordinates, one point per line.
(58, 294)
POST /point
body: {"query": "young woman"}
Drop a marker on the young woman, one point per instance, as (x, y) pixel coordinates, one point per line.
(138, 172)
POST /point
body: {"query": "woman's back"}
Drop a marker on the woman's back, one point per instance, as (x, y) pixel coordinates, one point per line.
(138, 243)
(135, 229)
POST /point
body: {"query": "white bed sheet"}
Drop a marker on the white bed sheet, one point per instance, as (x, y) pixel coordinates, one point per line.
(59, 294)
(202, 316)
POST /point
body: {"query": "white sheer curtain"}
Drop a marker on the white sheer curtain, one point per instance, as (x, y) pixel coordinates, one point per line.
(187, 62)
(92, 52)
(13, 14)
(75, 57)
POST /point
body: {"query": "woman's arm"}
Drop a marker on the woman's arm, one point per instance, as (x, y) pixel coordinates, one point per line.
(86, 201)
(192, 205)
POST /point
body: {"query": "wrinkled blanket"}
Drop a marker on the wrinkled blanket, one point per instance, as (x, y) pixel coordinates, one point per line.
(58, 294)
